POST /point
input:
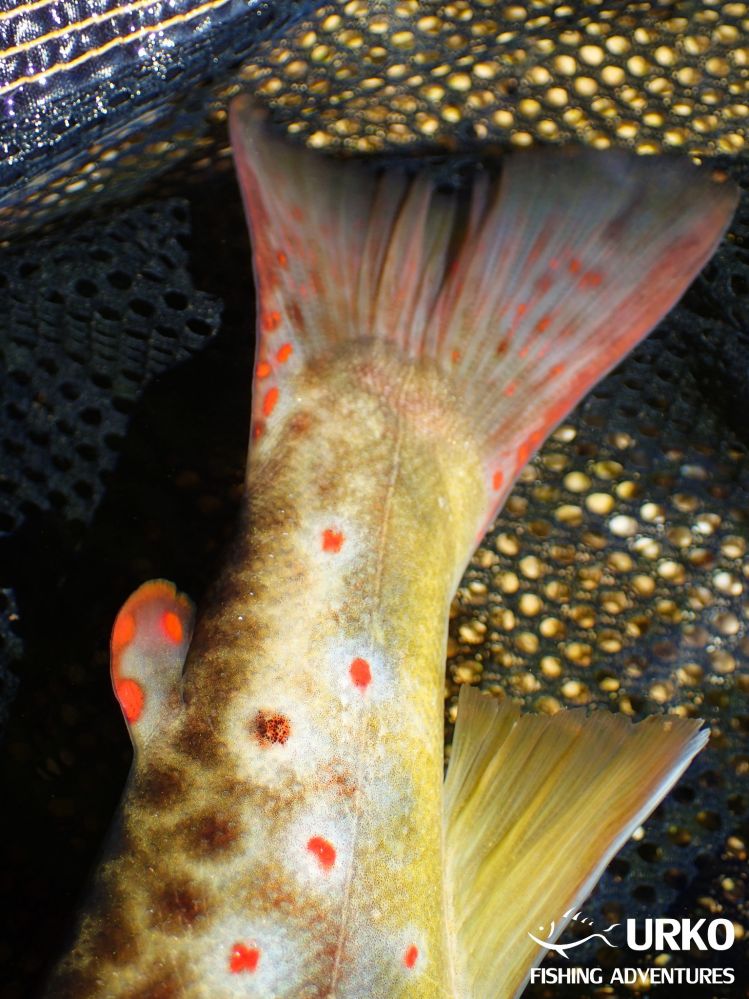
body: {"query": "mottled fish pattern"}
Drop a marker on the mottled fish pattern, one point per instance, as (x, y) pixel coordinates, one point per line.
(285, 831)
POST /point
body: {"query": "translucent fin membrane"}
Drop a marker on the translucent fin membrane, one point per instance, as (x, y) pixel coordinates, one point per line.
(535, 807)
(525, 289)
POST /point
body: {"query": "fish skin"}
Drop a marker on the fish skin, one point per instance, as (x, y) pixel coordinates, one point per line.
(280, 632)
(282, 831)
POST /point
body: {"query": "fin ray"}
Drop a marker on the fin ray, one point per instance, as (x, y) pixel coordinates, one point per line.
(525, 288)
(544, 802)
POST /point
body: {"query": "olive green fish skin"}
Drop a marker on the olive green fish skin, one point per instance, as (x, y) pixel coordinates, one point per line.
(342, 650)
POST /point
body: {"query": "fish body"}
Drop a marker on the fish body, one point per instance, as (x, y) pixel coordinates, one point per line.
(285, 831)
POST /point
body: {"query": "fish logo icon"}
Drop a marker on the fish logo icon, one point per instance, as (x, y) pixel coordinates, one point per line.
(562, 949)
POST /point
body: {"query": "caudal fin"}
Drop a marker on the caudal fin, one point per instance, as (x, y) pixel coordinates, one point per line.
(525, 286)
(535, 807)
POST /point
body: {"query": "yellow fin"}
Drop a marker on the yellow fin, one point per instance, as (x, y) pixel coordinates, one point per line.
(535, 807)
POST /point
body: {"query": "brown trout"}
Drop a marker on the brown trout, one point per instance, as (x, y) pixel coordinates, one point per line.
(285, 832)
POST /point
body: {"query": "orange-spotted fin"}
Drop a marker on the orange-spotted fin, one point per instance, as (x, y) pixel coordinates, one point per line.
(526, 287)
(535, 807)
(150, 639)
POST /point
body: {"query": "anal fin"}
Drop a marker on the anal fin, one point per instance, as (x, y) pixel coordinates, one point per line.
(535, 807)
(150, 639)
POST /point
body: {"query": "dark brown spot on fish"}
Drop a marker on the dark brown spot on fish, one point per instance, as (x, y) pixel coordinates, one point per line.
(160, 987)
(198, 742)
(212, 833)
(271, 728)
(159, 786)
(300, 423)
(178, 906)
(114, 935)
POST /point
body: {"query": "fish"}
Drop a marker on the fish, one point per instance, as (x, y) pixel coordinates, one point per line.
(286, 830)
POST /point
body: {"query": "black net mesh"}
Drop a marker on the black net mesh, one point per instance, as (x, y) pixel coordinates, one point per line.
(617, 574)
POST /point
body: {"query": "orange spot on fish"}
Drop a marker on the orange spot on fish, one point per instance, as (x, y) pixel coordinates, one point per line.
(411, 956)
(283, 260)
(575, 266)
(521, 309)
(523, 352)
(556, 370)
(591, 279)
(511, 389)
(172, 626)
(123, 631)
(455, 356)
(332, 541)
(243, 958)
(323, 850)
(497, 479)
(543, 324)
(284, 353)
(263, 369)
(360, 673)
(131, 697)
(553, 264)
(544, 283)
(523, 453)
(271, 321)
(270, 400)
(528, 445)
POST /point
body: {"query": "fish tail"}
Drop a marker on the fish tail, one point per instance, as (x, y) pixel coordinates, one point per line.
(535, 807)
(524, 285)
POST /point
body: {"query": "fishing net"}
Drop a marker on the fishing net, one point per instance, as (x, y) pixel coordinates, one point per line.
(617, 574)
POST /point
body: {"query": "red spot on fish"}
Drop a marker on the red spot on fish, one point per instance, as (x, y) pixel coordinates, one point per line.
(270, 400)
(123, 631)
(544, 283)
(528, 445)
(511, 389)
(283, 260)
(497, 479)
(553, 264)
(543, 324)
(523, 453)
(591, 279)
(243, 958)
(575, 266)
(172, 627)
(556, 370)
(360, 673)
(523, 352)
(271, 321)
(284, 353)
(258, 430)
(263, 369)
(332, 541)
(323, 850)
(131, 697)
(411, 956)
(455, 356)
(521, 309)
(272, 728)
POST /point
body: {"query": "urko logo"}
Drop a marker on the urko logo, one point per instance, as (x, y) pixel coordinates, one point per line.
(679, 934)
(654, 935)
